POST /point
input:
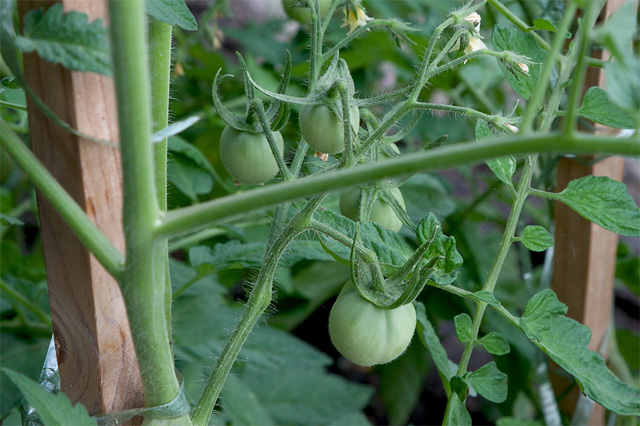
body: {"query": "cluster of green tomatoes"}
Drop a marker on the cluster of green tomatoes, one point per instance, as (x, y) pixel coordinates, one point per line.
(362, 332)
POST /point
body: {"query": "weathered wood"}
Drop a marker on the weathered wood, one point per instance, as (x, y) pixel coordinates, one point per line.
(585, 253)
(96, 357)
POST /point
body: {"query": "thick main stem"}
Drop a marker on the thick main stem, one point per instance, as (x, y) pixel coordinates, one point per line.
(160, 70)
(144, 296)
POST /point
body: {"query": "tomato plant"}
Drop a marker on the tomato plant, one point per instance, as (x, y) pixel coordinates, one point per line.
(367, 335)
(462, 259)
(247, 156)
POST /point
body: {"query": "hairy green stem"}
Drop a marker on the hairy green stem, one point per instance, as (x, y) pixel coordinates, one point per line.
(144, 296)
(421, 78)
(86, 231)
(159, 36)
(259, 300)
(581, 69)
(524, 185)
(190, 218)
(535, 102)
(258, 108)
(518, 22)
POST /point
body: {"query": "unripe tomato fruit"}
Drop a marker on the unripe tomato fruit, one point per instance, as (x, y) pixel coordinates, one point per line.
(367, 335)
(323, 130)
(303, 14)
(381, 212)
(247, 156)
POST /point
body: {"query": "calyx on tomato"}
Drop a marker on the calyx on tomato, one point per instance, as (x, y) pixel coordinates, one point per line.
(323, 130)
(381, 212)
(367, 335)
(248, 156)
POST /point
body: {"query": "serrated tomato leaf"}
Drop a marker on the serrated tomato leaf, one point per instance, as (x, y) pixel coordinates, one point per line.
(603, 201)
(463, 327)
(512, 39)
(68, 39)
(536, 238)
(565, 341)
(174, 12)
(427, 334)
(490, 382)
(495, 344)
(596, 106)
(53, 409)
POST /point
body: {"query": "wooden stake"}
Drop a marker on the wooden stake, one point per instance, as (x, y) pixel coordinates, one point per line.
(96, 357)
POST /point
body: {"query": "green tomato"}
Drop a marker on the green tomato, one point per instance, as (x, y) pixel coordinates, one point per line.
(381, 212)
(367, 335)
(247, 156)
(303, 14)
(322, 129)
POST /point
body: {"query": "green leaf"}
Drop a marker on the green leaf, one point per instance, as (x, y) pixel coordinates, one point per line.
(536, 238)
(426, 193)
(565, 341)
(68, 39)
(618, 30)
(190, 179)
(463, 327)
(596, 106)
(390, 248)
(543, 24)
(196, 340)
(622, 83)
(295, 396)
(430, 340)
(235, 254)
(503, 167)
(241, 404)
(490, 382)
(401, 383)
(445, 270)
(174, 12)
(52, 408)
(495, 344)
(24, 355)
(176, 144)
(512, 39)
(457, 414)
(605, 202)
(459, 387)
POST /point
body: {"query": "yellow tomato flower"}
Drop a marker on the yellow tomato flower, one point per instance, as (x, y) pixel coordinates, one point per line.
(354, 18)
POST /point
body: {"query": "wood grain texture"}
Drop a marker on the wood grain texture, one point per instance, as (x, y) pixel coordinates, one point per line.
(95, 350)
(585, 253)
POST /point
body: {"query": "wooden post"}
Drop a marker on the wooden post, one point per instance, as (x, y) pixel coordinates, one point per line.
(585, 253)
(96, 357)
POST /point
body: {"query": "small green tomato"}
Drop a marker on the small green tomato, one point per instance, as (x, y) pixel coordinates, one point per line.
(367, 335)
(322, 129)
(248, 156)
(303, 14)
(381, 212)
